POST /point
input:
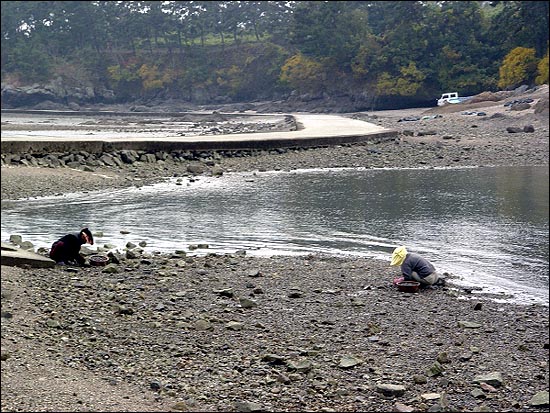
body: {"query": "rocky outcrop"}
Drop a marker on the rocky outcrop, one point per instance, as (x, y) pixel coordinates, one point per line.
(53, 95)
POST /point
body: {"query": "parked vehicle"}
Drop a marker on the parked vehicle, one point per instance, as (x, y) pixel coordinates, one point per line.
(451, 97)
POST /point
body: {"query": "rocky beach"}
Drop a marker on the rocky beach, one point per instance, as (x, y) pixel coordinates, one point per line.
(181, 332)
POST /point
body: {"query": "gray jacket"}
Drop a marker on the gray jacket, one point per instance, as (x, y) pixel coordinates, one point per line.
(415, 263)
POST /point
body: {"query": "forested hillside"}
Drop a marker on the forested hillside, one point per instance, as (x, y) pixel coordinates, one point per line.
(371, 53)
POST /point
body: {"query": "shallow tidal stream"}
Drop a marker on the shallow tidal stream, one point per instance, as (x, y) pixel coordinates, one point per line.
(486, 226)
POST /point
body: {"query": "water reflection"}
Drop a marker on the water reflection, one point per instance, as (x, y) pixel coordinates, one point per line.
(487, 225)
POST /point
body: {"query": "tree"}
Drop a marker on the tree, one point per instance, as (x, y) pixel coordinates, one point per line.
(519, 67)
(303, 73)
(254, 14)
(368, 59)
(407, 84)
(402, 33)
(332, 30)
(542, 70)
(456, 57)
(521, 23)
(342, 48)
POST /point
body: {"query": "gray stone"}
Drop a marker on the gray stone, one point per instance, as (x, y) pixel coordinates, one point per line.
(202, 325)
(435, 370)
(347, 362)
(402, 408)
(273, 359)
(468, 324)
(493, 378)
(248, 407)
(247, 302)
(420, 379)
(540, 399)
(514, 129)
(234, 325)
(196, 168)
(477, 393)
(443, 357)
(390, 389)
(110, 269)
(16, 239)
(301, 366)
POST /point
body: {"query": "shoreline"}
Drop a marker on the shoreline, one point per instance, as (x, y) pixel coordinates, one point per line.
(171, 332)
(480, 285)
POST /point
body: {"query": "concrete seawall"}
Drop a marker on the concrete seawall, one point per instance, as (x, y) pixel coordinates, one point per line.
(18, 257)
(313, 130)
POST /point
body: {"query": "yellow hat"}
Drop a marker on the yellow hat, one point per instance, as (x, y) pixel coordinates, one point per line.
(398, 255)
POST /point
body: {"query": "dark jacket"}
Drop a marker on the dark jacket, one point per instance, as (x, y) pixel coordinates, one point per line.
(415, 263)
(67, 248)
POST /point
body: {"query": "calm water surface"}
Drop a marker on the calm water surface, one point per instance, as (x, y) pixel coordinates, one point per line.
(487, 226)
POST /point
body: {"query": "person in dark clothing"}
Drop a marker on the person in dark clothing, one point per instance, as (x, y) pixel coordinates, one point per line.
(414, 267)
(66, 249)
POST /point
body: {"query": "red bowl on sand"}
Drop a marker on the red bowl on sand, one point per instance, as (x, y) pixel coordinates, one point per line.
(98, 260)
(408, 286)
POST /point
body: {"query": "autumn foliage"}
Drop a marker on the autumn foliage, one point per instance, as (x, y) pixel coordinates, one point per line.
(519, 66)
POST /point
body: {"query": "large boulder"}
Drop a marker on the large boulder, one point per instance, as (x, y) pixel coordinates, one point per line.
(542, 107)
(55, 92)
